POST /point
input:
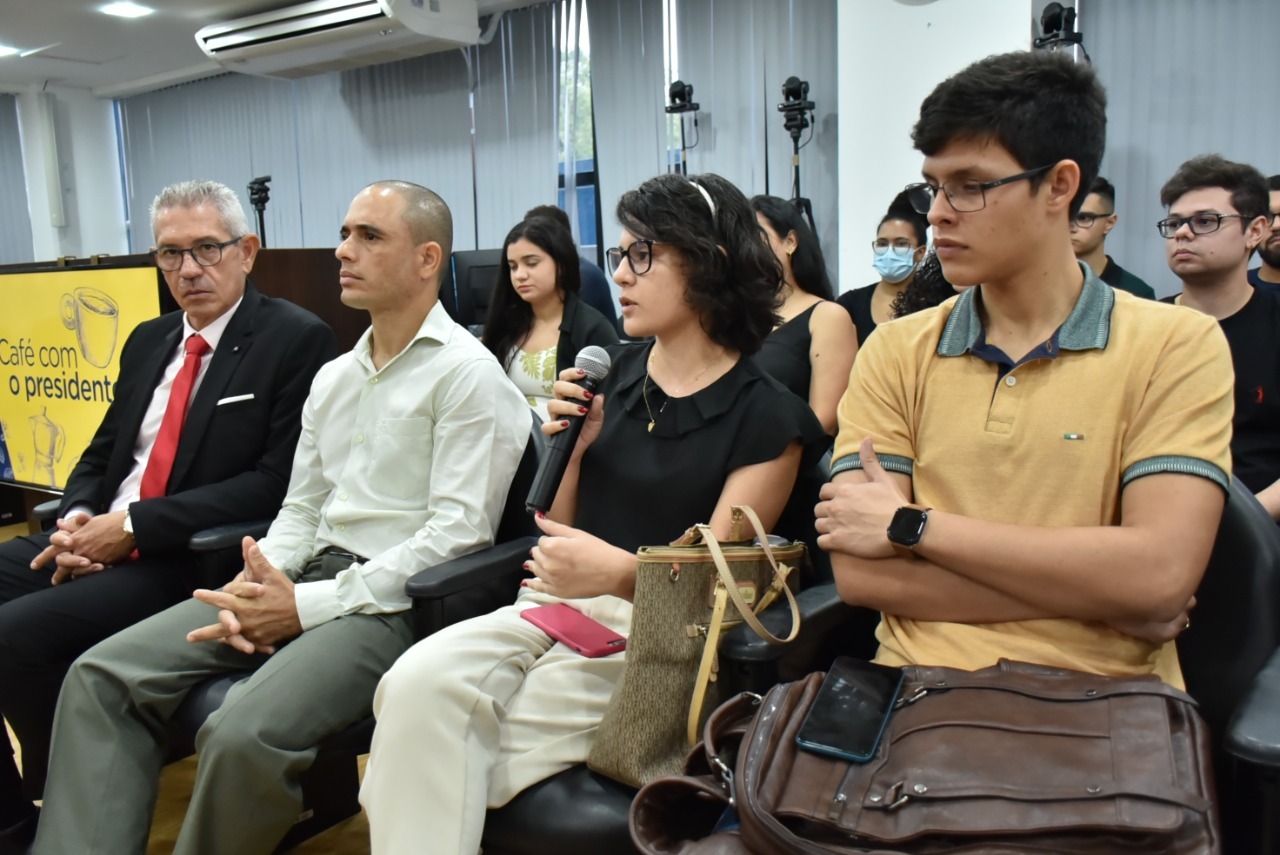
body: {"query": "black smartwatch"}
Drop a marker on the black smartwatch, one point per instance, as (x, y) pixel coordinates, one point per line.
(907, 527)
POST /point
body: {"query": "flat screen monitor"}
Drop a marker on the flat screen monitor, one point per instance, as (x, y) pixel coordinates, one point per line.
(474, 272)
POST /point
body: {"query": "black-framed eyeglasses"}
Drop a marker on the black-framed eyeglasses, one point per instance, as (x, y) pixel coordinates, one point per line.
(1273, 216)
(965, 197)
(1084, 220)
(639, 255)
(205, 254)
(1202, 223)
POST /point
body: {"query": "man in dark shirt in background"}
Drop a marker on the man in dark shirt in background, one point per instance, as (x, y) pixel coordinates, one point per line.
(1218, 215)
(1089, 232)
(1267, 274)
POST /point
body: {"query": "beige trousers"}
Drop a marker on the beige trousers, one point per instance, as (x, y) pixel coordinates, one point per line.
(473, 715)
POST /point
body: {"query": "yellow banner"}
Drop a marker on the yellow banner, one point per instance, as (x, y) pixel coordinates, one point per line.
(60, 337)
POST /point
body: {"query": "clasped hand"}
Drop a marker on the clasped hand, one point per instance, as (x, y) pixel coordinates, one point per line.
(256, 610)
(83, 544)
(852, 518)
(569, 563)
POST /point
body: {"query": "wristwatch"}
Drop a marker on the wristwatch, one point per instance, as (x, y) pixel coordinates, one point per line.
(907, 527)
(128, 523)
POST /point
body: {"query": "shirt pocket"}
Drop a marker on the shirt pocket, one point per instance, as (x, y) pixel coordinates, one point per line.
(402, 457)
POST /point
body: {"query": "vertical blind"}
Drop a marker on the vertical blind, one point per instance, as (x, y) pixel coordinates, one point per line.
(322, 138)
(15, 219)
(737, 53)
(1183, 77)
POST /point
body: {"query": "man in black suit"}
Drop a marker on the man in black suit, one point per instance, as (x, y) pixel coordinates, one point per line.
(240, 365)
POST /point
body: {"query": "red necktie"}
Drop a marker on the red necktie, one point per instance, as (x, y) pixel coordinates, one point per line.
(155, 478)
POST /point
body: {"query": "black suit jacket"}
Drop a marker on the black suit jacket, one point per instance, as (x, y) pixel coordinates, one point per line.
(233, 460)
(581, 325)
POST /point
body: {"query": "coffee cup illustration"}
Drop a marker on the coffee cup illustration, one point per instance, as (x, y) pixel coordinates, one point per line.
(95, 317)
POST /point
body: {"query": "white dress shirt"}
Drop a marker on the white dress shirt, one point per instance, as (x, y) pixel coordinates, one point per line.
(127, 492)
(408, 466)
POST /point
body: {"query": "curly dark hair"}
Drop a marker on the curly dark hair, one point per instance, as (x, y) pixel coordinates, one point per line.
(732, 279)
(807, 263)
(510, 318)
(928, 288)
(1041, 107)
(900, 210)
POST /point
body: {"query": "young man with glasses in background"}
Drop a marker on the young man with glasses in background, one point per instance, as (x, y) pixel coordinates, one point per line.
(1089, 232)
(1035, 469)
(1267, 274)
(1218, 215)
(201, 432)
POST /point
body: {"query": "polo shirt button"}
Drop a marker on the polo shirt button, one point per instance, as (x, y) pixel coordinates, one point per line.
(342, 496)
(373, 379)
(1011, 380)
(342, 526)
(359, 439)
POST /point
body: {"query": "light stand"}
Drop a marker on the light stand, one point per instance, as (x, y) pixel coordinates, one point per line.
(1058, 23)
(680, 94)
(796, 111)
(259, 195)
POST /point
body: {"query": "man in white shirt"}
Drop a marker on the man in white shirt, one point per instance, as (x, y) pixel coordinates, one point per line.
(409, 443)
(189, 442)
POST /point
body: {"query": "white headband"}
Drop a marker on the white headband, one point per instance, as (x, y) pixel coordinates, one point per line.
(707, 196)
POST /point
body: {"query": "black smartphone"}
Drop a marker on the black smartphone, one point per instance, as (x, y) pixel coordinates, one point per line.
(851, 710)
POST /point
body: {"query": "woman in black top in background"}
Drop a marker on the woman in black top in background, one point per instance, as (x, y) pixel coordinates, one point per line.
(899, 246)
(536, 324)
(813, 347)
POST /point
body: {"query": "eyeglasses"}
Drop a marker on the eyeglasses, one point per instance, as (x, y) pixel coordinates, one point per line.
(1203, 223)
(207, 254)
(963, 196)
(639, 255)
(901, 246)
(1085, 221)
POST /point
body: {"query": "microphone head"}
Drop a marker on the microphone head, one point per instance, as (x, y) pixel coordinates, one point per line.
(595, 361)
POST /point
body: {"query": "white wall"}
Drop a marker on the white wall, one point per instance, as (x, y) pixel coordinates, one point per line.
(892, 54)
(89, 166)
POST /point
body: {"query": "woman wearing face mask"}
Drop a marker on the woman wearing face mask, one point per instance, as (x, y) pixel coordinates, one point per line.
(812, 348)
(898, 248)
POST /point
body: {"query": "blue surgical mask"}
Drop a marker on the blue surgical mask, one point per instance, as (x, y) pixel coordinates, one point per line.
(894, 264)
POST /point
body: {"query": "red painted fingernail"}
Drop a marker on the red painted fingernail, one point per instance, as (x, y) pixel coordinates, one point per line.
(524, 583)
(582, 410)
(581, 372)
(588, 394)
(525, 565)
(564, 423)
(540, 515)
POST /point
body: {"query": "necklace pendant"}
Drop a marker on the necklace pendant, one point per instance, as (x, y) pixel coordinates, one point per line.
(650, 427)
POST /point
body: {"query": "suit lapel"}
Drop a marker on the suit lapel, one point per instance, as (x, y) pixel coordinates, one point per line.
(232, 348)
(139, 400)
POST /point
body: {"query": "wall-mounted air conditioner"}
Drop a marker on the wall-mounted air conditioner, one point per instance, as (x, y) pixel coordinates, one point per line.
(332, 35)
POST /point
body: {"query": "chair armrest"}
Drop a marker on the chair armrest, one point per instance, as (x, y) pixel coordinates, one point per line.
(467, 587)
(227, 536)
(1254, 732)
(458, 574)
(821, 611)
(46, 512)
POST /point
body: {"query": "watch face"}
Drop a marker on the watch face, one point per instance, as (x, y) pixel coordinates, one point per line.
(907, 526)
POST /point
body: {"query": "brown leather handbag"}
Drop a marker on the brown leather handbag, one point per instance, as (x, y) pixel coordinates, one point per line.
(1015, 758)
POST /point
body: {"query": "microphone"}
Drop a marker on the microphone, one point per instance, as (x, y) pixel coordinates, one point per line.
(596, 362)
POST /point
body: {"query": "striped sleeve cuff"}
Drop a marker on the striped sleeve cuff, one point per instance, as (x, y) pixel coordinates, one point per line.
(1178, 465)
(890, 462)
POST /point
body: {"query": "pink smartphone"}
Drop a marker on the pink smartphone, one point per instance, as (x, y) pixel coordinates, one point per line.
(570, 626)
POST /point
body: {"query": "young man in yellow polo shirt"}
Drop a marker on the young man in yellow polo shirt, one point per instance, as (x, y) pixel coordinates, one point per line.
(1035, 469)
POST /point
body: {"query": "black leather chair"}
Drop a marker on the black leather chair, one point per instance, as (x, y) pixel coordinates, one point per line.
(578, 810)
(466, 297)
